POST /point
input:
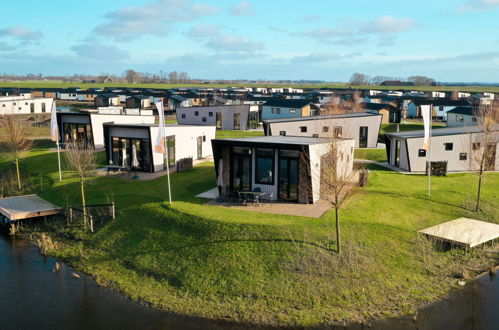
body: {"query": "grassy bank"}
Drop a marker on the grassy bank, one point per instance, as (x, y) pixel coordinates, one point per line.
(231, 264)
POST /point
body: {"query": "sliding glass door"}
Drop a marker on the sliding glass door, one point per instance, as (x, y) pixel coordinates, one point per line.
(128, 152)
(80, 134)
(241, 169)
(288, 175)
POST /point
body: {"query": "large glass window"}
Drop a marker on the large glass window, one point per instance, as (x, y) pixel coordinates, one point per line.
(264, 172)
(170, 144)
(241, 169)
(78, 133)
(124, 150)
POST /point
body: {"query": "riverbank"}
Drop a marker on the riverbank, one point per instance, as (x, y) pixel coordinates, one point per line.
(241, 266)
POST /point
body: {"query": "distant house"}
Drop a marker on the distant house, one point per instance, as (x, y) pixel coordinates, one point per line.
(87, 128)
(138, 102)
(106, 100)
(22, 105)
(390, 113)
(231, 117)
(182, 142)
(284, 108)
(452, 147)
(461, 116)
(284, 167)
(439, 107)
(70, 94)
(362, 127)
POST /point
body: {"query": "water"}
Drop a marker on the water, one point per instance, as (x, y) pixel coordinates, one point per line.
(34, 297)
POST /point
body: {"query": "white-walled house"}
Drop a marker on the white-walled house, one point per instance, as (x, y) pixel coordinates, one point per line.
(439, 107)
(461, 116)
(452, 147)
(22, 105)
(88, 128)
(362, 127)
(284, 167)
(183, 141)
(288, 108)
(230, 117)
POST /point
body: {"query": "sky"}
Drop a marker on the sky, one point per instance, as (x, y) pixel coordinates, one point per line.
(448, 40)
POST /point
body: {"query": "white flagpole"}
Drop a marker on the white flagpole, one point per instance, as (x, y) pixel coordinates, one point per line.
(429, 153)
(161, 113)
(55, 131)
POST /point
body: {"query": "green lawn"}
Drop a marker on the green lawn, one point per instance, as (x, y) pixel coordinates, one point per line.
(239, 265)
(378, 155)
(229, 134)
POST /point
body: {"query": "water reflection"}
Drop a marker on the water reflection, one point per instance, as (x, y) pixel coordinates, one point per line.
(34, 297)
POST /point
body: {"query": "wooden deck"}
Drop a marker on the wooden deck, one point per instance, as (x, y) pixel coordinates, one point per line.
(464, 232)
(27, 206)
(316, 210)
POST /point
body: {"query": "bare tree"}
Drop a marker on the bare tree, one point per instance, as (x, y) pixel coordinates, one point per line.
(81, 160)
(359, 79)
(338, 181)
(173, 77)
(15, 140)
(183, 77)
(485, 142)
(132, 76)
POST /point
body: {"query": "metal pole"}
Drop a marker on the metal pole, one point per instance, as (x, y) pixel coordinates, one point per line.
(168, 169)
(59, 157)
(429, 154)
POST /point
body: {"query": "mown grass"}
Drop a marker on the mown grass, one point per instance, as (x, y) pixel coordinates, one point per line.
(229, 134)
(377, 155)
(233, 264)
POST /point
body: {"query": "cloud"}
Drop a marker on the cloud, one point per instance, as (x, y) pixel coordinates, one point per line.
(478, 5)
(389, 25)
(349, 32)
(102, 52)
(322, 57)
(221, 42)
(233, 43)
(154, 19)
(244, 8)
(21, 33)
(310, 19)
(204, 31)
(473, 58)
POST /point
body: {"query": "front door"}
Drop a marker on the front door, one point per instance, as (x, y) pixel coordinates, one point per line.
(288, 179)
(490, 156)
(241, 172)
(200, 147)
(363, 132)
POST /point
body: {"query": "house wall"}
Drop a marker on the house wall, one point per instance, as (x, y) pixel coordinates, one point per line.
(462, 143)
(344, 166)
(185, 142)
(350, 127)
(73, 96)
(98, 121)
(284, 113)
(227, 115)
(22, 105)
(453, 120)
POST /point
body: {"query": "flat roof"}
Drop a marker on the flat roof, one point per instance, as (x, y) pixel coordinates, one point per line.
(341, 115)
(292, 140)
(27, 206)
(438, 132)
(464, 232)
(140, 125)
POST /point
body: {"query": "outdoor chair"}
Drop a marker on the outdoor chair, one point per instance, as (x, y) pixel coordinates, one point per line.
(243, 198)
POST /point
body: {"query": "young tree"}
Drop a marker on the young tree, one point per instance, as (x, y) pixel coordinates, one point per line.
(338, 184)
(484, 147)
(81, 160)
(15, 140)
(359, 79)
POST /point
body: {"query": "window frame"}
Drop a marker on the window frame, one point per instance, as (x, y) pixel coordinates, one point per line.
(422, 153)
(463, 156)
(449, 146)
(303, 129)
(257, 181)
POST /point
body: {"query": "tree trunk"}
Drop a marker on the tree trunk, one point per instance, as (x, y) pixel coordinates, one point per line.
(480, 175)
(338, 245)
(83, 201)
(18, 174)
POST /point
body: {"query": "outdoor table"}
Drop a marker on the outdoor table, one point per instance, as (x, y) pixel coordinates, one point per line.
(254, 195)
(116, 168)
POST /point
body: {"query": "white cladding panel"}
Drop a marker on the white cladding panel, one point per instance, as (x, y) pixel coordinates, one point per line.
(98, 121)
(350, 128)
(23, 105)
